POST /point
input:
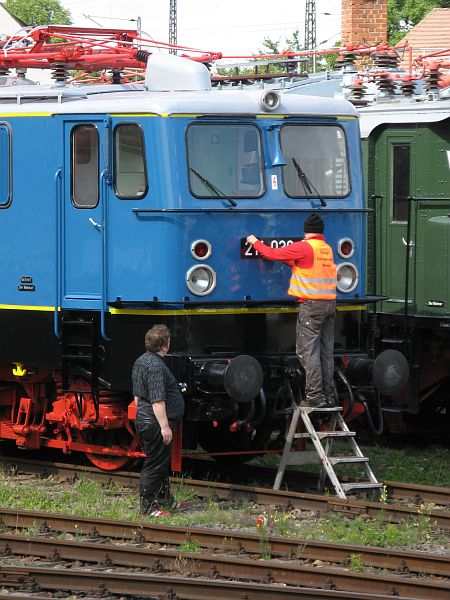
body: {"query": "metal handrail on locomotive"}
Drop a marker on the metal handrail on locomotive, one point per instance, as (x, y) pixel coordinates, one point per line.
(124, 205)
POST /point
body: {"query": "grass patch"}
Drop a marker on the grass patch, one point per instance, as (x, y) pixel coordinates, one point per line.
(190, 545)
(83, 498)
(424, 466)
(415, 532)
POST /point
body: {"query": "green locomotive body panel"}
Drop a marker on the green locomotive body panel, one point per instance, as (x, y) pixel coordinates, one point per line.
(408, 179)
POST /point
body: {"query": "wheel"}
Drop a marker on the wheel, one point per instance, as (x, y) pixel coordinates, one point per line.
(118, 438)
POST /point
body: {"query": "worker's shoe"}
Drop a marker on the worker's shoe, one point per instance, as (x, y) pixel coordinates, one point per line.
(158, 512)
(319, 403)
(180, 506)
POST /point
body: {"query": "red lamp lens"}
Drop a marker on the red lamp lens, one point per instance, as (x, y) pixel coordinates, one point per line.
(200, 249)
(346, 248)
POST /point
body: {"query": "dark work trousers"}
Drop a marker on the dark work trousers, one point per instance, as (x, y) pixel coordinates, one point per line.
(154, 486)
(315, 343)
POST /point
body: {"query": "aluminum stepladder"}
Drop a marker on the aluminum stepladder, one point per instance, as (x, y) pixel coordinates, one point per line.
(323, 441)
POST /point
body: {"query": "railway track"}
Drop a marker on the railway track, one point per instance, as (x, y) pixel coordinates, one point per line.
(226, 565)
(265, 496)
(234, 559)
(47, 580)
(98, 530)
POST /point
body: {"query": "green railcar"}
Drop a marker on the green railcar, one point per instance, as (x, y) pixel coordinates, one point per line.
(406, 151)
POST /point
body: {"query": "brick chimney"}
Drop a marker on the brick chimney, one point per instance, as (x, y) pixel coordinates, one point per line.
(364, 21)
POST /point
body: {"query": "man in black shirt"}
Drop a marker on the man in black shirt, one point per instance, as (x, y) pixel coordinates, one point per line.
(159, 406)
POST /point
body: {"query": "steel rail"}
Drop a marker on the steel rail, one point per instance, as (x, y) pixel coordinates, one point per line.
(418, 493)
(102, 583)
(220, 567)
(402, 561)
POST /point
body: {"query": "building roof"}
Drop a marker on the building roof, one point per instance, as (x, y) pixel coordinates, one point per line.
(431, 34)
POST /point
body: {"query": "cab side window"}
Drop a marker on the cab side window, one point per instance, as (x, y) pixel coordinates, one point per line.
(85, 166)
(401, 175)
(130, 175)
(5, 166)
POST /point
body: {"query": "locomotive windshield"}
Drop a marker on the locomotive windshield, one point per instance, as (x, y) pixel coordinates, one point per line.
(225, 160)
(316, 161)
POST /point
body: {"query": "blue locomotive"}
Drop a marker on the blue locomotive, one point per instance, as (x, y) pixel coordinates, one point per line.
(126, 205)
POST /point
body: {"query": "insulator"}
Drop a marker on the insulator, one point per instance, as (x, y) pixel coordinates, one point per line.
(347, 59)
(386, 59)
(432, 84)
(59, 71)
(408, 87)
(357, 93)
(385, 84)
(338, 64)
(142, 55)
(116, 76)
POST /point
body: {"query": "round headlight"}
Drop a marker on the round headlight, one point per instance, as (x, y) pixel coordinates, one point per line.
(346, 248)
(201, 280)
(270, 100)
(347, 277)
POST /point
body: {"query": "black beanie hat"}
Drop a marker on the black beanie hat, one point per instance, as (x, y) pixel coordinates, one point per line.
(313, 224)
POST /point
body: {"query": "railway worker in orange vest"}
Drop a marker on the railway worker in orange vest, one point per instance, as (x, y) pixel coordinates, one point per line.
(313, 282)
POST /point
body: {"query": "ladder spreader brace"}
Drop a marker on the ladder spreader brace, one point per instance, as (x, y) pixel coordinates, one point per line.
(323, 441)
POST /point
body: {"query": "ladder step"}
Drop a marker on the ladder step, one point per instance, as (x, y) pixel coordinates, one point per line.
(326, 409)
(78, 345)
(335, 434)
(367, 485)
(338, 460)
(326, 434)
(76, 322)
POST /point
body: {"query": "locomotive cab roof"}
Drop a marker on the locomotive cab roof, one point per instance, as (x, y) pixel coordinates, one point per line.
(173, 85)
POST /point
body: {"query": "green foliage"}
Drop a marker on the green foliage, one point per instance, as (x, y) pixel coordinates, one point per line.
(328, 61)
(405, 14)
(371, 532)
(190, 545)
(39, 12)
(356, 563)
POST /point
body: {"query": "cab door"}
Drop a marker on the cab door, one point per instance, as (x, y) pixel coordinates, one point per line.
(83, 227)
(394, 156)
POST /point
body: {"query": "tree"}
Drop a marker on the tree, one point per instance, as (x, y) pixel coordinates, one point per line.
(403, 15)
(39, 12)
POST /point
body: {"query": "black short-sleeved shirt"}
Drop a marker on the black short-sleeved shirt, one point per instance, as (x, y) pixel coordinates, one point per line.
(154, 382)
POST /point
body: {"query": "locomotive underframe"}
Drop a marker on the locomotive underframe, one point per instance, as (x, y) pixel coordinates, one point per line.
(423, 407)
(74, 393)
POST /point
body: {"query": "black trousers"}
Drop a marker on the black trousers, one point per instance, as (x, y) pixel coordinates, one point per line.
(154, 486)
(315, 344)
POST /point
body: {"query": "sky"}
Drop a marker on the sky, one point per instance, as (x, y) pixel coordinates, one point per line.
(233, 27)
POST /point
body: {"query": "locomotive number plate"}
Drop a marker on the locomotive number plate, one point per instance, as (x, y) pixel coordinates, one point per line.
(247, 251)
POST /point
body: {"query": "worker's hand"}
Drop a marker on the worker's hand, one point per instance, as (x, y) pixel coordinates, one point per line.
(251, 239)
(167, 434)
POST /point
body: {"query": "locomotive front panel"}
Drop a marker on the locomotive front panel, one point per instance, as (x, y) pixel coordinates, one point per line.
(177, 225)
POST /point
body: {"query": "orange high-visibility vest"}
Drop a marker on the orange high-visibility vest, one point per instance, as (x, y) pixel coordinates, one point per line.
(319, 281)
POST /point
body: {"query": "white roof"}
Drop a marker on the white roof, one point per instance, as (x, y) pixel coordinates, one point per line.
(102, 99)
(402, 112)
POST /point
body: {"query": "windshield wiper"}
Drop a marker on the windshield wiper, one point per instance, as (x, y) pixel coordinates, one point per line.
(307, 184)
(212, 188)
